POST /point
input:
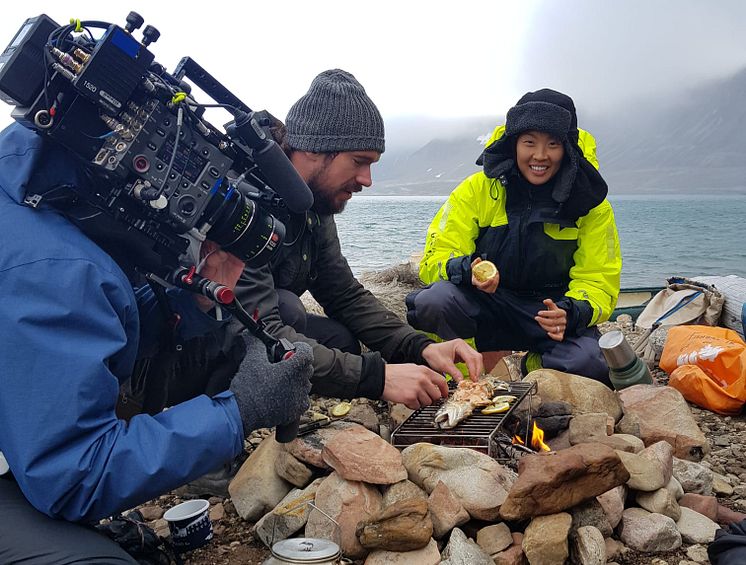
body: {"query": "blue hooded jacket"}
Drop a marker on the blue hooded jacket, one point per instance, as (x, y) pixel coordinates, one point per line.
(70, 324)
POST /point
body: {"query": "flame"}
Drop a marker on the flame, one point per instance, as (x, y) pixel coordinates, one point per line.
(517, 441)
(537, 439)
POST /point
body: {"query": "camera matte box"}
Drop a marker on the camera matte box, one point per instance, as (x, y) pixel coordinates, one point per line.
(22, 63)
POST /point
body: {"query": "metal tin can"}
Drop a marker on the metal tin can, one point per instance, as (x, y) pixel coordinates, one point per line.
(305, 551)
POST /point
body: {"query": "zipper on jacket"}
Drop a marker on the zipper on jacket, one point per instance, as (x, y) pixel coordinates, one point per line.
(524, 216)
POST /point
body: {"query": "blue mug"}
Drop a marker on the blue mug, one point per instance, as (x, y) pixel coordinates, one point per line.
(189, 524)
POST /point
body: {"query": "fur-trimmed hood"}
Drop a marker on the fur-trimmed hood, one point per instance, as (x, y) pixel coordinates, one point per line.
(579, 186)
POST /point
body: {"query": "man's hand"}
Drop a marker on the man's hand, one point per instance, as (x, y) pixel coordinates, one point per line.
(490, 285)
(443, 358)
(553, 320)
(413, 385)
(219, 266)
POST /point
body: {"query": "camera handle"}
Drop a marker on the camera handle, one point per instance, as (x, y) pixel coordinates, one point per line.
(277, 349)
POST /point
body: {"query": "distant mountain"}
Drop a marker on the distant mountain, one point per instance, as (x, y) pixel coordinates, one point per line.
(694, 143)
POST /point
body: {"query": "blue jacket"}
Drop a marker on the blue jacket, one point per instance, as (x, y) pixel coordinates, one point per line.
(70, 324)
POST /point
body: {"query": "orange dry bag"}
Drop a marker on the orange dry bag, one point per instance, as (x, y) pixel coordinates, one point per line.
(708, 366)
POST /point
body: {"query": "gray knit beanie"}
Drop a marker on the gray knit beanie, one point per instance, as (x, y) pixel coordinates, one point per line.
(335, 115)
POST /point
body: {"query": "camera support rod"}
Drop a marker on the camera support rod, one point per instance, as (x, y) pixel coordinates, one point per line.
(277, 349)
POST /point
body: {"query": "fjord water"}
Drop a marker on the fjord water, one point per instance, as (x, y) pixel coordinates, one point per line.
(661, 235)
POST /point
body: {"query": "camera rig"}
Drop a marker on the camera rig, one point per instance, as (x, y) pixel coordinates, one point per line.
(153, 163)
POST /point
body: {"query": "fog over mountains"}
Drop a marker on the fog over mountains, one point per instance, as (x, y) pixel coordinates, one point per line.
(694, 142)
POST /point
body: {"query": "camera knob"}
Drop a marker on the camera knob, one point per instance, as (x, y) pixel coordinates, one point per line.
(150, 35)
(134, 21)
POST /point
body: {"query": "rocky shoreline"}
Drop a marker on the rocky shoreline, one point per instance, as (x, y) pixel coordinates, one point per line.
(234, 542)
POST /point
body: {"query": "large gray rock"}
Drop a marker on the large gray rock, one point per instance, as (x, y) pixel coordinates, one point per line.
(583, 394)
(552, 482)
(591, 513)
(363, 413)
(693, 477)
(648, 532)
(588, 547)
(694, 527)
(477, 480)
(664, 415)
(463, 551)
(257, 488)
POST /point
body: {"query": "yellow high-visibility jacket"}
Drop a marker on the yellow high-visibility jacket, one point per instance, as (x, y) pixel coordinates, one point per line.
(581, 257)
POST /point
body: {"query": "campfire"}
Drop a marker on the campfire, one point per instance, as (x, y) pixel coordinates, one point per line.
(537, 439)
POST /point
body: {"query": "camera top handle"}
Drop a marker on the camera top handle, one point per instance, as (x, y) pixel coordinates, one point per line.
(246, 128)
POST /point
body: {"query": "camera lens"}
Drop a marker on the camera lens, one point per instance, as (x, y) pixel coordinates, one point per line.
(241, 227)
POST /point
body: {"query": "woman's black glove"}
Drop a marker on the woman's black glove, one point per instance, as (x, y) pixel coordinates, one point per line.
(272, 394)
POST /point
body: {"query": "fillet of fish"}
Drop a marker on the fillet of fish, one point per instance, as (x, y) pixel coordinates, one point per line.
(467, 396)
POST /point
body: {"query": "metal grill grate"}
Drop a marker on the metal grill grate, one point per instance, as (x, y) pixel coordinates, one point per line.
(479, 431)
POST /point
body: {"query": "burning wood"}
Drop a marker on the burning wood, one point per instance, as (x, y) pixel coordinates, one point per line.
(537, 439)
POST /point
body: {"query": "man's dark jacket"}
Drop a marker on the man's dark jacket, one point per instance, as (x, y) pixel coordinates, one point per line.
(311, 259)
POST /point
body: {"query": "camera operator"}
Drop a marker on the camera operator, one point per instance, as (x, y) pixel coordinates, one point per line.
(71, 328)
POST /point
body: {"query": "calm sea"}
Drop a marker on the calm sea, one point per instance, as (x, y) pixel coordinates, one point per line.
(661, 235)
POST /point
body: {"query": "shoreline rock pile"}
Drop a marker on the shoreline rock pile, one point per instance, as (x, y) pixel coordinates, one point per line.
(637, 477)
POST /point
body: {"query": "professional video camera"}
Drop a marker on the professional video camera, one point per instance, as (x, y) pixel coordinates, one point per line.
(155, 165)
(158, 166)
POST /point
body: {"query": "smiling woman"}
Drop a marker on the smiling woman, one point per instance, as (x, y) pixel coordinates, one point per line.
(538, 211)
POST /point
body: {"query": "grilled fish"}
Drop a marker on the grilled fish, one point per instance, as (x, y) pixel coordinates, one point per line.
(467, 396)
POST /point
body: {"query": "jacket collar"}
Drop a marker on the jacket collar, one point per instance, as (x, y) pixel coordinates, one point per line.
(31, 165)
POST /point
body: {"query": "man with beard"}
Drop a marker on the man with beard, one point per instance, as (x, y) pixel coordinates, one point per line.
(333, 135)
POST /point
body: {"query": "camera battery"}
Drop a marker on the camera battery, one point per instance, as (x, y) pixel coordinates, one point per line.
(116, 67)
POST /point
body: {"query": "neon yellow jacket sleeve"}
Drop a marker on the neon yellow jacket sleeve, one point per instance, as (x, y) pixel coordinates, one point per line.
(454, 229)
(596, 274)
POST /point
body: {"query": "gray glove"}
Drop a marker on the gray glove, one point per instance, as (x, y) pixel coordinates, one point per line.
(272, 394)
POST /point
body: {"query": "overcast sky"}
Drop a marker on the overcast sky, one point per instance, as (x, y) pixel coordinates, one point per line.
(436, 58)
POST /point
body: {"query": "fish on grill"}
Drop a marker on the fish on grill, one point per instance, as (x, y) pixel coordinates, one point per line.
(467, 396)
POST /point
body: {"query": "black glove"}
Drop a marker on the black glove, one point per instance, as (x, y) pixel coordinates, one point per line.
(272, 394)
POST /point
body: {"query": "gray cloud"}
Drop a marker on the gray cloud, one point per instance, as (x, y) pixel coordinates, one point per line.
(605, 53)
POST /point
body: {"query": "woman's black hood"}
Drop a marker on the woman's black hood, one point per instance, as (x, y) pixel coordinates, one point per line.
(579, 187)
